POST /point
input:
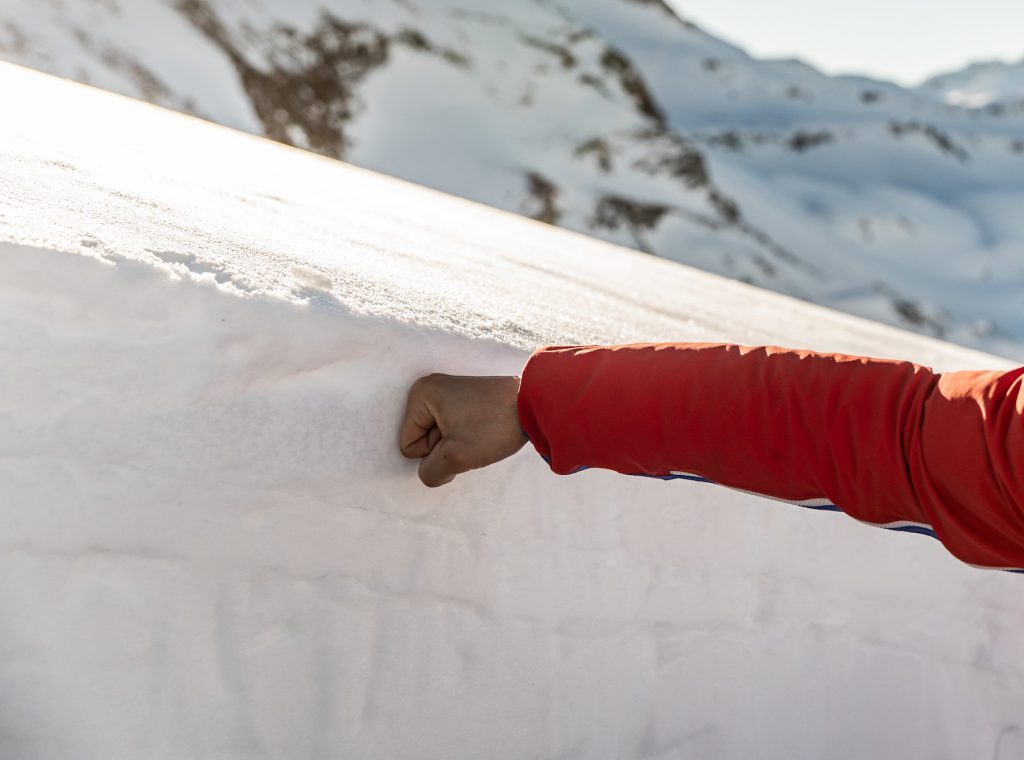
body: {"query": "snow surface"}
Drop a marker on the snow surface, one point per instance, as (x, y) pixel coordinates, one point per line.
(212, 549)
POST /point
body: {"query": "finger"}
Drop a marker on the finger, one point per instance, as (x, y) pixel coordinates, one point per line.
(423, 446)
(414, 438)
(420, 447)
(432, 438)
(441, 465)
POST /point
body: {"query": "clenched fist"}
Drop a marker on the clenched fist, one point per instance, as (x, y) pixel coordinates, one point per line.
(454, 424)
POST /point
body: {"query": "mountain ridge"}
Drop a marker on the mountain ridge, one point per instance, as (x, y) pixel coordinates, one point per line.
(995, 85)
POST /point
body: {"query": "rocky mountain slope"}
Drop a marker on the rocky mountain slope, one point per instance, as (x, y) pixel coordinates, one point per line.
(615, 118)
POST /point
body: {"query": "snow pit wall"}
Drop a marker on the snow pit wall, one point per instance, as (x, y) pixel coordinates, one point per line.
(211, 547)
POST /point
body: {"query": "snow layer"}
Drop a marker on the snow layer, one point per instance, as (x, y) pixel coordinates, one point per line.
(212, 549)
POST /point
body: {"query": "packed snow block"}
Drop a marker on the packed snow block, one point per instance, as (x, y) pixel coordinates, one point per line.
(211, 548)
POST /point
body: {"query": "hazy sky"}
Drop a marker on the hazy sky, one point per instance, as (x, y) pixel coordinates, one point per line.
(903, 40)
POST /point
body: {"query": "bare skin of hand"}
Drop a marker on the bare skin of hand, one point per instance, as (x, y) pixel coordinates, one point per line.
(454, 424)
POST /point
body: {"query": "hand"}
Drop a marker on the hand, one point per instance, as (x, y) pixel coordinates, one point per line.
(455, 424)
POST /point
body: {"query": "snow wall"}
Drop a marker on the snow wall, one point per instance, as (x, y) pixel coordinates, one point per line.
(211, 548)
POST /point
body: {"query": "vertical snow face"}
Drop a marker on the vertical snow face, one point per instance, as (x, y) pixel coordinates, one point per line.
(615, 118)
(211, 547)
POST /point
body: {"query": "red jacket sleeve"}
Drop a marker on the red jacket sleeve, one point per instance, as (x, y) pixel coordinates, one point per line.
(888, 442)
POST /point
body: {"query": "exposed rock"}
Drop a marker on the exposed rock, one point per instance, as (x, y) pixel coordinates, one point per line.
(310, 84)
(580, 35)
(802, 141)
(671, 155)
(776, 249)
(543, 195)
(727, 208)
(939, 138)
(731, 140)
(600, 149)
(911, 312)
(632, 83)
(307, 94)
(596, 83)
(767, 268)
(415, 40)
(615, 212)
(667, 9)
(561, 52)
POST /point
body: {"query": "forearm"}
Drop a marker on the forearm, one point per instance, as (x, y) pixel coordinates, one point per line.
(864, 434)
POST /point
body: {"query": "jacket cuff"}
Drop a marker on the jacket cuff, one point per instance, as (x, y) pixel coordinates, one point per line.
(530, 386)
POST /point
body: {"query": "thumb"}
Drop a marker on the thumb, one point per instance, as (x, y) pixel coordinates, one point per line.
(442, 464)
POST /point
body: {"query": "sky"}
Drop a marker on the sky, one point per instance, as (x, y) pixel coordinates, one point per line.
(902, 40)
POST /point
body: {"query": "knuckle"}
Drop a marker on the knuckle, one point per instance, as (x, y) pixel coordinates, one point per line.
(426, 385)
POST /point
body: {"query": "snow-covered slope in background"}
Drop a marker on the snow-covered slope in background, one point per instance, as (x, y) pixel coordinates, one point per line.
(994, 85)
(212, 549)
(611, 117)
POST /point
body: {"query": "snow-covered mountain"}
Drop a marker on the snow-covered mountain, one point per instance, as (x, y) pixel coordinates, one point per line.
(612, 117)
(994, 85)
